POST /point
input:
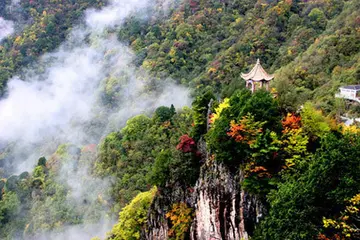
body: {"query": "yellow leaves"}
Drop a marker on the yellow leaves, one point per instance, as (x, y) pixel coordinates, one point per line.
(238, 20)
(132, 218)
(278, 10)
(181, 217)
(352, 209)
(350, 129)
(178, 17)
(166, 124)
(225, 104)
(300, 70)
(148, 64)
(328, 222)
(356, 199)
(172, 52)
(18, 40)
(347, 224)
(295, 146)
(212, 70)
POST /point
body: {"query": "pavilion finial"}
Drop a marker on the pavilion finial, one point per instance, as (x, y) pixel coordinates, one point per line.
(258, 61)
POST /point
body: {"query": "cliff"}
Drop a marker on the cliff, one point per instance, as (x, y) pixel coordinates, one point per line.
(222, 210)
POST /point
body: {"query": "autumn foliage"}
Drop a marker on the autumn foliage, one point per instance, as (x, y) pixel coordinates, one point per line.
(290, 122)
(187, 144)
(346, 226)
(181, 217)
(246, 130)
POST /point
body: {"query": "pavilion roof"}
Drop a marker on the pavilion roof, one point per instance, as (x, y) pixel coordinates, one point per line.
(257, 73)
(351, 87)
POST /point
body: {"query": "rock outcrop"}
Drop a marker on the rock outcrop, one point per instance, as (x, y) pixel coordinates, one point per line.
(222, 209)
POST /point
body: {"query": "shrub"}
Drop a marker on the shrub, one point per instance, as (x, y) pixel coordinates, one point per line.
(132, 218)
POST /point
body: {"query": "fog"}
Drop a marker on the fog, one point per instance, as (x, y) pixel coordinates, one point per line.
(76, 95)
(61, 98)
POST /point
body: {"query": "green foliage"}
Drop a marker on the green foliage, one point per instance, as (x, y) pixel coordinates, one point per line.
(9, 205)
(297, 208)
(314, 123)
(11, 183)
(161, 168)
(144, 153)
(135, 127)
(42, 161)
(163, 114)
(41, 201)
(132, 218)
(110, 152)
(312, 45)
(317, 19)
(260, 105)
(200, 108)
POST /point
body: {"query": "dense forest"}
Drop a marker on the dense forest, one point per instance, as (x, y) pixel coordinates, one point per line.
(130, 120)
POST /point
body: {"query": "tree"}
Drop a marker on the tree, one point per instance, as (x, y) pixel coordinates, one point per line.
(9, 205)
(163, 114)
(298, 207)
(160, 172)
(132, 218)
(181, 217)
(200, 108)
(314, 123)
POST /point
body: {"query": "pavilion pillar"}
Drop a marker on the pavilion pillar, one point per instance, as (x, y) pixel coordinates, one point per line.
(261, 84)
(253, 86)
(267, 85)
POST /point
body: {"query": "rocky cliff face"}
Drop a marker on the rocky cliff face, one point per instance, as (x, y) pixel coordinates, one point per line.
(222, 209)
(158, 226)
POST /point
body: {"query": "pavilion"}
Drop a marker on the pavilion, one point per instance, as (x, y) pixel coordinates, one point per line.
(257, 75)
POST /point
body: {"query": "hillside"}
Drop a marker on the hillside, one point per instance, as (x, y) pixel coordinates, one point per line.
(312, 46)
(130, 120)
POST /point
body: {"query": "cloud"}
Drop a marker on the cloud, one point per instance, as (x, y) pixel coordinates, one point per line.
(113, 14)
(79, 232)
(6, 28)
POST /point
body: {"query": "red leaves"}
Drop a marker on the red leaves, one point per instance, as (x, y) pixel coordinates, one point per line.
(90, 148)
(187, 144)
(260, 171)
(236, 132)
(291, 122)
(246, 130)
